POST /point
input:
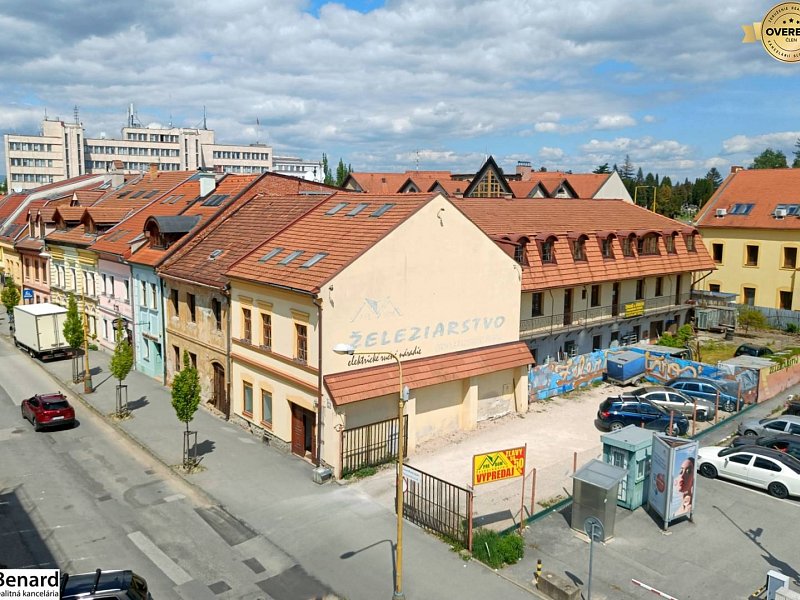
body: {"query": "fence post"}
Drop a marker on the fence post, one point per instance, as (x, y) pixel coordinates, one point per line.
(574, 462)
(533, 491)
(470, 500)
(694, 416)
(716, 409)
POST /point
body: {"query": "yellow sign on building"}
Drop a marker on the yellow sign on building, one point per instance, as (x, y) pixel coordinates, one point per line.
(496, 466)
(634, 309)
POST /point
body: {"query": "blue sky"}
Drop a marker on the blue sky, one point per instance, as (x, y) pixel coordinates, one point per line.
(394, 85)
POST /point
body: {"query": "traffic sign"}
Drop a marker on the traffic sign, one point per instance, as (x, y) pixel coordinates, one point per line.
(27, 294)
(594, 529)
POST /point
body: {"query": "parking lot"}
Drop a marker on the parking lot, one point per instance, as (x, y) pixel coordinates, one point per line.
(738, 534)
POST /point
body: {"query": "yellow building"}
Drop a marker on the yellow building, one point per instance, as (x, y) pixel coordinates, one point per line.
(404, 274)
(751, 227)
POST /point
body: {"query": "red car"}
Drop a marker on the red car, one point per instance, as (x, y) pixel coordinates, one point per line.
(48, 410)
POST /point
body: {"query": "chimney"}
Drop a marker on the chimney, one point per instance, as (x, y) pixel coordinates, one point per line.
(117, 174)
(736, 169)
(524, 170)
(153, 171)
(208, 182)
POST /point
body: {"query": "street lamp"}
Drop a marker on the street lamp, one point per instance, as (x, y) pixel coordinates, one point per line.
(398, 580)
(87, 377)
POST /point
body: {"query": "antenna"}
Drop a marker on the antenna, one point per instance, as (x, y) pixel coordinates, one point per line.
(417, 159)
(204, 118)
(75, 111)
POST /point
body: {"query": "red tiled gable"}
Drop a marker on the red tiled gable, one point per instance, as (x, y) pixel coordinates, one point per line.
(363, 384)
(586, 185)
(339, 237)
(75, 236)
(88, 197)
(69, 213)
(9, 204)
(452, 187)
(764, 189)
(390, 183)
(103, 215)
(566, 219)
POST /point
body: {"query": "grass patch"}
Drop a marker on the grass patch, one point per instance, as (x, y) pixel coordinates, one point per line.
(551, 501)
(714, 351)
(495, 550)
(361, 473)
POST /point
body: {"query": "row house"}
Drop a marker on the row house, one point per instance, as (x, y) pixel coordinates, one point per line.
(594, 273)
(751, 227)
(14, 215)
(197, 311)
(399, 275)
(491, 182)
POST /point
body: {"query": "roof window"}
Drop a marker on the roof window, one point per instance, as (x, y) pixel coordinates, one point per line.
(741, 209)
(270, 254)
(313, 260)
(382, 210)
(335, 209)
(291, 257)
(357, 209)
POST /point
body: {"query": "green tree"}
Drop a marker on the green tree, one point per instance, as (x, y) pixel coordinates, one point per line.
(121, 365)
(73, 333)
(626, 170)
(4, 186)
(750, 317)
(796, 162)
(602, 169)
(703, 190)
(186, 399)
(342, 172)
(714, 177)
(326, 171)
(770, 159)
(10, 294)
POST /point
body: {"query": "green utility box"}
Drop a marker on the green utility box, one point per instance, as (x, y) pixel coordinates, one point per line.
(630, 448)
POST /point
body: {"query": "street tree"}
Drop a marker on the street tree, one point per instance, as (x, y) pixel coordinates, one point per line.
(750, 317)
(185, 400)
(770, 159)
(73, 333)
(121, 365)
(602, 169)
(10, 295)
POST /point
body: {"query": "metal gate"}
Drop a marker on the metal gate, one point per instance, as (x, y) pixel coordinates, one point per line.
(371, 445)
(439, 506)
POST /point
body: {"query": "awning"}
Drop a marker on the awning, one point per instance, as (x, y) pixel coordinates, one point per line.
(363, 384)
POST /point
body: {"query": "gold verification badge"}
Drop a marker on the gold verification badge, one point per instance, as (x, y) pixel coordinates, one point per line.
(779, 32)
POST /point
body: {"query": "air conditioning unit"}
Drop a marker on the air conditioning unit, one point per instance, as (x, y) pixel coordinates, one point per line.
(721, 212)
(780, 213)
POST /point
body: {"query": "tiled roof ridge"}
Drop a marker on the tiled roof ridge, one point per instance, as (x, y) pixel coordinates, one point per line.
(712, 202)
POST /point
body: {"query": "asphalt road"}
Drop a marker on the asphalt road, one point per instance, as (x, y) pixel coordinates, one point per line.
(82, 498)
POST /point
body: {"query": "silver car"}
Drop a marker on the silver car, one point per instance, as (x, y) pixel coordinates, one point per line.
(782, 424)
(671, 399)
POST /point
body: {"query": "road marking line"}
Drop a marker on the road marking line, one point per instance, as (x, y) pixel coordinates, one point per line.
(174, 497)
(168, 566)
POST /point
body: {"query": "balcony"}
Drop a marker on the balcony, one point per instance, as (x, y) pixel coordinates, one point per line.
(597, 315)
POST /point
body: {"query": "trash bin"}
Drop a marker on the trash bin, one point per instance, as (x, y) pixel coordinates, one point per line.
(728, 333)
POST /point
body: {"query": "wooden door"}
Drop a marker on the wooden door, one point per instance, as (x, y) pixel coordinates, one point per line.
(219, 391)
(304, 432)
(615, 300)
(567, 307)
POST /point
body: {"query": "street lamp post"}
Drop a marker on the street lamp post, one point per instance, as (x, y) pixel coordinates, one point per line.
(87, 377)
(398, 579)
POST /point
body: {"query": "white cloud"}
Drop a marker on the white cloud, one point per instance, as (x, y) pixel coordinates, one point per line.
(758, 143)
(614, 122)
(550, 153)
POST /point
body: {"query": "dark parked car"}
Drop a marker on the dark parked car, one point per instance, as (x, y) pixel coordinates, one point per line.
(670, 399)
(790, 444)
(792, 405)
(752, 350)
(616, 413)
(708, 389)
(104, 585)
(48, 410)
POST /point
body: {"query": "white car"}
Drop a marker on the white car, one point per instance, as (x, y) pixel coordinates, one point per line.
(768, 469)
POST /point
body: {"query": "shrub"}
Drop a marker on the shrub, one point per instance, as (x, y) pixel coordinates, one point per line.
(792, 328)
(495, 550)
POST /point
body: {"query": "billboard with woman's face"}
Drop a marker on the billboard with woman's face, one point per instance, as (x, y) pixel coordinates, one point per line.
(672, 477)
(683, 481)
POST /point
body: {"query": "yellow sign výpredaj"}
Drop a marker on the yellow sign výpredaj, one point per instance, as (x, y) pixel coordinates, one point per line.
(634, 309)
(496, 466)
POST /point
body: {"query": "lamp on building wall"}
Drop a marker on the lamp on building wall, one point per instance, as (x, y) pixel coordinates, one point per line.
(403, 396)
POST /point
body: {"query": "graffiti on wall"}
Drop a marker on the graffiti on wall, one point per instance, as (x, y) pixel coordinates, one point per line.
(564, 376)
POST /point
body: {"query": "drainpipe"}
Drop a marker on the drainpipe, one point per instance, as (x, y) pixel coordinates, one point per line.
(320, 421)
(226, 292)
(163, 328)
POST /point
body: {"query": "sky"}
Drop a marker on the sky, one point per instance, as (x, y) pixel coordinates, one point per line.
(394, 85)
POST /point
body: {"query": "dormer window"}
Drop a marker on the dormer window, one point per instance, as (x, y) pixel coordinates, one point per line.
(690, 242)
(579, 248)
(627, 245)
(669, 243)
(608, 247)
(521, 251)
(647, 245)
(548, 250)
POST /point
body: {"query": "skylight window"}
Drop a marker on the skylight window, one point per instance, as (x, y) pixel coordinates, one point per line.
(167, 199)
(215, 254)
(215, 199)
(291, 257)
(741, 209)
(270, 254)
(382, 210)
(313, 260)
(335, 209)
(137, 193)
(123, 194)
(791, 209)
(151, 193)
(357, 209)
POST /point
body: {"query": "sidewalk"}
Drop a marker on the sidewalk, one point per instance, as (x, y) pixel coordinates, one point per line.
(337, 534)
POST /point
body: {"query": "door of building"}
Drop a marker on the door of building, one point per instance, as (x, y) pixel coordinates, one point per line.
(219, 391)
(615, 300)
(304, 432)
(567, 307)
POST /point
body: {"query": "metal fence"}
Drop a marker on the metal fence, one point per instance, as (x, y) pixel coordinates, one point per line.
(371, 445)
(776, 317)
(439, 506)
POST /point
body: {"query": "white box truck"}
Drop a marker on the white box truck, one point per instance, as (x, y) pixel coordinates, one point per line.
(39, 330)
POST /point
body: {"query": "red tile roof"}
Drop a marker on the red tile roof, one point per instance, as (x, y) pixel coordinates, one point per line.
(337, 238)
(243, 227)
(765, 189)
(390, 183)
(9, 204)
(568, 218)
(363, 384)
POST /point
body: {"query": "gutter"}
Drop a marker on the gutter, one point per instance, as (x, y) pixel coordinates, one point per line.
(226, 292)
(320, 421)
